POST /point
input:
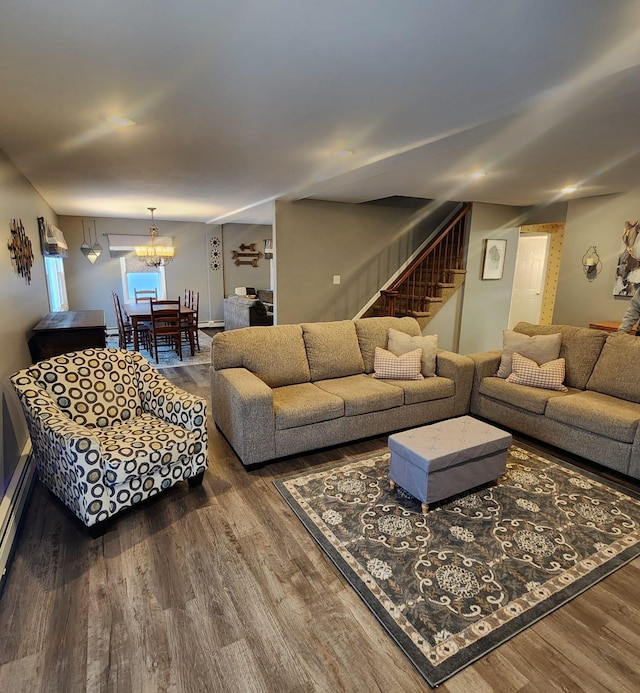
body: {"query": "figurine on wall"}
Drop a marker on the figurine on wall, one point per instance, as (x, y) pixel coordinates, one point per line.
(20, 250)
(628, 269)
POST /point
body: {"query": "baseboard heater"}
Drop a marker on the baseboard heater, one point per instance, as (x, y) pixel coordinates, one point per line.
(12, 506)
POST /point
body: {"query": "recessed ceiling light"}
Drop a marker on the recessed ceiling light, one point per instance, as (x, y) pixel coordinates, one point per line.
(342, 153)
(120, 121)
(477, 174)
(568, 189)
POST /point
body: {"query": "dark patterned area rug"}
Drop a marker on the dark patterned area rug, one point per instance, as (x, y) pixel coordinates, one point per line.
(452, 585)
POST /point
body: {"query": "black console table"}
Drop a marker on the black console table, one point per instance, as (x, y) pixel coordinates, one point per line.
(68, 330)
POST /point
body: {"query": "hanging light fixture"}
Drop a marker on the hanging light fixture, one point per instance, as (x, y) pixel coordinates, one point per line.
(87, 249)
(96, 247)
(154, 255)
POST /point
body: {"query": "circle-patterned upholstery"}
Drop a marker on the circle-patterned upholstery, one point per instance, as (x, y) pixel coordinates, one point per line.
(107, 430)
(95, 388)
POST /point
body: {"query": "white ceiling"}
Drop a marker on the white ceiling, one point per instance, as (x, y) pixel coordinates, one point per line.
(240, 102)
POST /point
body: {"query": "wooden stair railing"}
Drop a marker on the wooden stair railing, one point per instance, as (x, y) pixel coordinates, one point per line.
(432, 278)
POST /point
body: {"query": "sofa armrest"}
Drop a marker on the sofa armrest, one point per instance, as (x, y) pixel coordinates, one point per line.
(242, 407)
(486, 364)
(458, 368)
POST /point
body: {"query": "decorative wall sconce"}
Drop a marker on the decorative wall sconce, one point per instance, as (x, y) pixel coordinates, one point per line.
(591, 263)
(268, 249)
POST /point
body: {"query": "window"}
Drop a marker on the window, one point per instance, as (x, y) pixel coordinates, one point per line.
(56, 284)
(136, 275)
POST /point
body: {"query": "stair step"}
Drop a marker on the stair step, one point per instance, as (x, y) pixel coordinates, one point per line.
(446, 285)
(420, 314)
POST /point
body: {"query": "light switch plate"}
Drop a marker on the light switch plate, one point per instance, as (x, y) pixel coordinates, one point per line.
(336, 278)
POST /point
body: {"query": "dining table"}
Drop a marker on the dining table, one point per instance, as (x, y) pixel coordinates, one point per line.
(141, 312)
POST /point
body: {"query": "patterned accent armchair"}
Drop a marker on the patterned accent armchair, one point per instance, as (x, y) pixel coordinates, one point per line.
(107, 431)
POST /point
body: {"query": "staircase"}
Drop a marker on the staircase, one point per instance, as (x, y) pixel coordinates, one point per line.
(434, 275)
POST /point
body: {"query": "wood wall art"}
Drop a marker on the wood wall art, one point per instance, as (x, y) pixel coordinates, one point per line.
(20, 250)
(247, 255)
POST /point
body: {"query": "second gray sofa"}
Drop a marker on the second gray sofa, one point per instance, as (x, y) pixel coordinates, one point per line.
(598, 417)
(285, 389)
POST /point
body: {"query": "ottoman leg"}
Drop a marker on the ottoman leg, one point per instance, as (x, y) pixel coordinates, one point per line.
(425, 508)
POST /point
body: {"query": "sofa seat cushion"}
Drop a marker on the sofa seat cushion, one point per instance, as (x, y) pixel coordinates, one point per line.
(304, 404)
(332, 349)
(362, 394)
(532, 399)
(425, 390)
(600, 414)
(142, 446)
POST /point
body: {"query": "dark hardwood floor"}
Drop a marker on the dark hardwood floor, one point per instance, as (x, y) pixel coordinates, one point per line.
(220, 588)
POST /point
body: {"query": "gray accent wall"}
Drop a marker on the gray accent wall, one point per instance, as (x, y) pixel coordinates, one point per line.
(595, 221)
(23, 305)
(364, 244)
(486, 302)
(233, 236)
(89, 286)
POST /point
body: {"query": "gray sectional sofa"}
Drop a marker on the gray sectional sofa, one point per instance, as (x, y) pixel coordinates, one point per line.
(598, 417)
(245, 311)
(285, 389)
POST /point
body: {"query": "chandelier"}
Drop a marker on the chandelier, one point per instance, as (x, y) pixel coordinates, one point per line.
(154, 255)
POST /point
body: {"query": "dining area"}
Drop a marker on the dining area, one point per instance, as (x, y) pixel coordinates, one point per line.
(158, 325)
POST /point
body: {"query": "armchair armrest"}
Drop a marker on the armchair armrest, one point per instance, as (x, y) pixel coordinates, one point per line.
(243, 410)
(458, 368)
(177, 406)
(68, 455)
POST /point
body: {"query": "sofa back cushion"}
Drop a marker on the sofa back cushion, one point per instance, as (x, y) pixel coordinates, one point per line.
(617, 368)
(332, 349)
(373, 332)
(580, 348)
(275, 354)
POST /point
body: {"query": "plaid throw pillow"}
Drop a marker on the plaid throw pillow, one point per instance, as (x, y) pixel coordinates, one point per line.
(404, 367)
(527, 372)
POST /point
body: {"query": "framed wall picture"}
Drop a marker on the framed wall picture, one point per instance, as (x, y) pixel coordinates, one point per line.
(493, 258)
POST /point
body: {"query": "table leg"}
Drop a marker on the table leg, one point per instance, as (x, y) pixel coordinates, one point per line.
(192, 329)
(134, 328)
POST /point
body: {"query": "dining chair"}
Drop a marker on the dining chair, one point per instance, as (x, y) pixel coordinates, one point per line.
(125, 330)
(145, 295)
(190, 322)
(166, 328)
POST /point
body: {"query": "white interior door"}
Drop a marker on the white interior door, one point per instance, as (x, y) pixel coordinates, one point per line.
(529, 278)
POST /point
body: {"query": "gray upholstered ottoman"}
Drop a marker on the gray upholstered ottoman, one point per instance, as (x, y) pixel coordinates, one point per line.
(440, 460)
